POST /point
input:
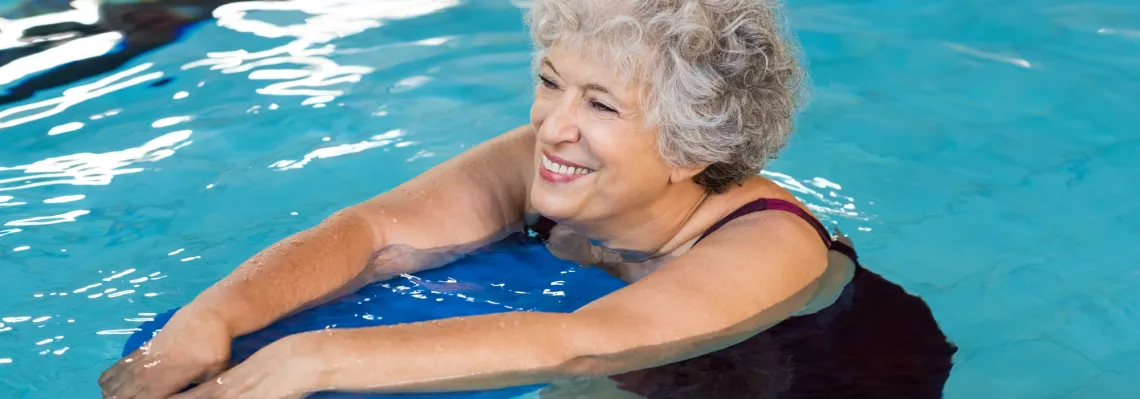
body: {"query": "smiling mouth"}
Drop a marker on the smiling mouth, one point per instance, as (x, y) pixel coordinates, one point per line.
(562, 169)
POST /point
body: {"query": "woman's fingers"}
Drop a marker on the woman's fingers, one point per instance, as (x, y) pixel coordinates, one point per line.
(112, 380)
(127, 391)
(144, 377)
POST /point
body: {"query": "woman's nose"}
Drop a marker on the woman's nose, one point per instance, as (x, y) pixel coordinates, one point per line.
(561, 125)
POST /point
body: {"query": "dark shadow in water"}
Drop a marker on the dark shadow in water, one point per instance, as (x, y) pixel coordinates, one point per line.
(144, 26)
(876, 341)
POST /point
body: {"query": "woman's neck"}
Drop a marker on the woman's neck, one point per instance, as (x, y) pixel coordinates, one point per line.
(649, 230)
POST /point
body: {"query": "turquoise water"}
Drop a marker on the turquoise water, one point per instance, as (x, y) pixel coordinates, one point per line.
(980, 153)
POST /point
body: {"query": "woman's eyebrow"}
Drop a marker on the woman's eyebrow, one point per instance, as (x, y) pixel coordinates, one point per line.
(588, 86)
(547, 62)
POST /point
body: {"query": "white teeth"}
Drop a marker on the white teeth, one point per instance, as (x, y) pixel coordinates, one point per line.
(562, 169)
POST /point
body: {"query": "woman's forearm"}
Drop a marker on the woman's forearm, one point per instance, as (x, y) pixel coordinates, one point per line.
(469, 353)
(298, 271)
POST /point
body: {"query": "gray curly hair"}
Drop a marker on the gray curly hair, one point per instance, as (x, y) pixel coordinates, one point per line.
(721, 78)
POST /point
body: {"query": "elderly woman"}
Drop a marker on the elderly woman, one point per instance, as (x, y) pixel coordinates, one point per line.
(650, 121)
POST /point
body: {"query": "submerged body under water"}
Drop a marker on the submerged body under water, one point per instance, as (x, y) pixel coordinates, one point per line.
(875, 341)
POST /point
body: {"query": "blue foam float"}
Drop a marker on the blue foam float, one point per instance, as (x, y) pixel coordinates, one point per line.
(507, 276)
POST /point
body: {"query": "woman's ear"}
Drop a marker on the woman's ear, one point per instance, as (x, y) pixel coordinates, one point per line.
(681, 174)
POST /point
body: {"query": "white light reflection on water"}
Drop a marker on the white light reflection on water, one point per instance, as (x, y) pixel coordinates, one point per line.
(379, 140)
(170, 121)
(989, 55)
(46, 220)
(4, 201)
(823, 205)
(86, 169)
(314, 72)
(65, 128)
(38, 110)
(71, 51)
(65, 199)
(1132, 33)
(122, 331)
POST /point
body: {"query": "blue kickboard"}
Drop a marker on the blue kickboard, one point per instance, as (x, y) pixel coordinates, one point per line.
(508, 276)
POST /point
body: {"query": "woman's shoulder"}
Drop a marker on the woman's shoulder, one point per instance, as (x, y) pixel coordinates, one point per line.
(760, 187)
(760, 205)
(750, 192)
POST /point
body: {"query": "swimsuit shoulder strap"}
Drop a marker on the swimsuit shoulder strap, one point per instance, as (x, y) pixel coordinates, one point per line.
(777, 204)
(541, 229)
(774, 204)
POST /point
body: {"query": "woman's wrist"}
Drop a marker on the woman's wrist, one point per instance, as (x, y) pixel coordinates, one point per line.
(306, 361)
(201, 312)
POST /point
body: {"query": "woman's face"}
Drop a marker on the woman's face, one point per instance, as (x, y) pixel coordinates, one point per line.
(595, 156)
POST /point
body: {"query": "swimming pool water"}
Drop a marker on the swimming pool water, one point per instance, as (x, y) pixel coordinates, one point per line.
(981, 153)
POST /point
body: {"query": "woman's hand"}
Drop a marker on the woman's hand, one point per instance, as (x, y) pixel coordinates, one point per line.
(193, 346)
(285, 369)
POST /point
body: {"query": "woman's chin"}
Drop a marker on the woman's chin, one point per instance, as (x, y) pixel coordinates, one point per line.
(553, 206)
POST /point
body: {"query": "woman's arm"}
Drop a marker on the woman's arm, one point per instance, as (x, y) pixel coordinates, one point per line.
(470, 200)
(751, 274)
(456, 206)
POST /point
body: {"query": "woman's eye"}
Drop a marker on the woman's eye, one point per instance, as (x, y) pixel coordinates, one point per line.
(601, 107)
(548, 83)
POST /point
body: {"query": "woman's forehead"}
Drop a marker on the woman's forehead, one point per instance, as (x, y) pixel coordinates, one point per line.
(584, 61)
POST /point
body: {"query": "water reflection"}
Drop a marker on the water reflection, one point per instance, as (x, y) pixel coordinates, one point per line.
(38, 110)
(379, 140)
(989, 55)
(302, 66)
(825, 206)
(52, 44)
(83, 169)
(46, 220)
(65, 128)
(113, 287)
(59, 43)
(87, 169)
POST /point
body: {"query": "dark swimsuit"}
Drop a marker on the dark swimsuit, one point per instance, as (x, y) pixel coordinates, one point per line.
(875, 341)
